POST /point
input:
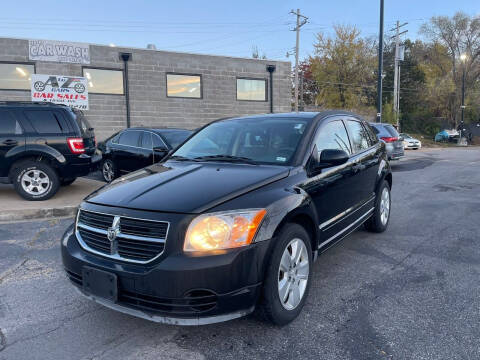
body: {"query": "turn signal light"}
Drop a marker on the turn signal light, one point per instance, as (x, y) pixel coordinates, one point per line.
(76, 145)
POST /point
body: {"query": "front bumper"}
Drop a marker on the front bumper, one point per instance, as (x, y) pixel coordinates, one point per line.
(178, 288)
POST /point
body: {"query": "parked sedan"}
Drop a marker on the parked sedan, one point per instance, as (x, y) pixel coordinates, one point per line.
(232, 221)
(410, 142)
(135, 148)
(392, 139)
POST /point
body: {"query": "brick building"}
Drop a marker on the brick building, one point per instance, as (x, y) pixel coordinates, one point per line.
(164, 88)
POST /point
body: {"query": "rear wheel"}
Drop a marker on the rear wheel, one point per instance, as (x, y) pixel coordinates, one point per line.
(381, 214)
(287, 281)
(34, 180)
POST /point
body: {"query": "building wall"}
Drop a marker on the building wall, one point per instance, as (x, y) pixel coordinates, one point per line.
(147, 80)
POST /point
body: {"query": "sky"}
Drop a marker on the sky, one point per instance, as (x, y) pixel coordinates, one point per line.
(230, 28)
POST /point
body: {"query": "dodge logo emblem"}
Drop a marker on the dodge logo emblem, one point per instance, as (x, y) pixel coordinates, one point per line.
(112, 233)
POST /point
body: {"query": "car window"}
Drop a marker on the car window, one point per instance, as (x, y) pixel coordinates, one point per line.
(147, 140)
(157, 142)
(8, 125)
(263, 140)
(129, 138)
(358, 136)
(371, 133)
(175, 137)
(44, 121)
(391, 130)
(333, 135)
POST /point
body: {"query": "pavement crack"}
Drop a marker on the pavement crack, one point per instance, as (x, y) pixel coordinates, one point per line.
(14, 268)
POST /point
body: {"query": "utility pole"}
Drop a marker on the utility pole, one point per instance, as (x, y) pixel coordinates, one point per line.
(396, 79)
(380, 65)
(297, 45)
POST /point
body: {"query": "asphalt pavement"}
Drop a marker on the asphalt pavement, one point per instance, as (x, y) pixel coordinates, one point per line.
(410, 293)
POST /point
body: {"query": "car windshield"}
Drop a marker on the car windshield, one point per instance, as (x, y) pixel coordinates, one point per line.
(175, 137)
(259, 140)
(393, 132)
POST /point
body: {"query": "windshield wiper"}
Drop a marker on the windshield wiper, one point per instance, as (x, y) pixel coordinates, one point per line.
(227, 158)
(180, 158)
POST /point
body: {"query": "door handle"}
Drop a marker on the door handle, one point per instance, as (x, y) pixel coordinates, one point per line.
(10, 142)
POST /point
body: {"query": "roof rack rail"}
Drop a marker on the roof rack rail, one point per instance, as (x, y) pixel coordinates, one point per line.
(29, 103)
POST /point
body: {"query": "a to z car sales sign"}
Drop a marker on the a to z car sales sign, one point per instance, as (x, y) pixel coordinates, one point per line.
(58, 89)
(59, 51)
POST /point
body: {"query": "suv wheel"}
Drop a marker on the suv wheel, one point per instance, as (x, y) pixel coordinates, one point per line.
(35, 180)
(66, 182)
(381, 214)
(287, 280)
(109, 170)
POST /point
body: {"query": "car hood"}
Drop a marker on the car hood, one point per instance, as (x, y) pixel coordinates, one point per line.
(183, 187)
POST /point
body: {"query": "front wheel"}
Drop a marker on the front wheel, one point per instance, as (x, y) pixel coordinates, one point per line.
(109, 170)
(288, 276)
(381, 214)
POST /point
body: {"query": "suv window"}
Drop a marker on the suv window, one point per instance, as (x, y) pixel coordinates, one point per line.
(157, 142)
(129, 138)
(333, 135)
(8, 125)
(43, 121)
(147, 140)
(358, 136)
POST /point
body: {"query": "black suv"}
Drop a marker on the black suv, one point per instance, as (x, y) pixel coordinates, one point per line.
(232, 220)
(43, 146)
(135, 148)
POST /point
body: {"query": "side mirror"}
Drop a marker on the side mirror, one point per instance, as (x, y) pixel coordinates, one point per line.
(332, 157)
(327, 158)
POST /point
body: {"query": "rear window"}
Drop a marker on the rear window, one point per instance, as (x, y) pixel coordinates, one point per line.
(82, 122)
(44, 121)
(391, 130)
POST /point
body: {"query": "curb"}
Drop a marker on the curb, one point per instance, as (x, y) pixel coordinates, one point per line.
(37, 214)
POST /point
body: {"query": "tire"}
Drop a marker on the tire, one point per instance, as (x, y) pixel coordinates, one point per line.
(46, 180)
(113, 173)
(271, 306)
(66, 182)
(377, 223)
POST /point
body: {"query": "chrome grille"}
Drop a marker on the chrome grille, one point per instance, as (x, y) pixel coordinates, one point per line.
(120, 237)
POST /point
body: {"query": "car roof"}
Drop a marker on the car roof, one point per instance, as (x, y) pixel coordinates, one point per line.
(308, 115)
(31, 104)
(158, 129)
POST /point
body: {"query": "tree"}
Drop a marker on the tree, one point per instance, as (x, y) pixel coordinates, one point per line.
(344, 69)
(454, 37)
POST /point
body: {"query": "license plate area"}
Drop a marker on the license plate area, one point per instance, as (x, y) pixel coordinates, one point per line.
(100, 283)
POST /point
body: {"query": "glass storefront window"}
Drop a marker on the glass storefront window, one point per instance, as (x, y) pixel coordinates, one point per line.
(187, 86)
(104, 81)
(252, 89)
(14, 76)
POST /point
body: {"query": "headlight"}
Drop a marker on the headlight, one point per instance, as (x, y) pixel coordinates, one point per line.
(223, 230)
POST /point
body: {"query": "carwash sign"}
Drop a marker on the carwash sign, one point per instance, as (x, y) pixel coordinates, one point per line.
(59, 51)
(58, 89)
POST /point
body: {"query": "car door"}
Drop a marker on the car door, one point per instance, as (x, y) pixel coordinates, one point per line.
(12, 140)
(126, 153)
(146, 150)
(330, 188)
(365, 160)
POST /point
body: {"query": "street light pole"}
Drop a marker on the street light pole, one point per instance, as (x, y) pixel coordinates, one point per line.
(380, 65)
(463, 93)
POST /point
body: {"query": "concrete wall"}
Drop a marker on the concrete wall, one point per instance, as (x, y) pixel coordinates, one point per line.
(147, 79)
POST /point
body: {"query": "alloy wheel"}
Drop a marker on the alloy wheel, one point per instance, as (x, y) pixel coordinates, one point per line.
(385, 206)
(35, 182)
(293, 274)
(107, 171)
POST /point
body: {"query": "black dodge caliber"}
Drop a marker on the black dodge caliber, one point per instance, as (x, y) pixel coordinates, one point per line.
(233, 219)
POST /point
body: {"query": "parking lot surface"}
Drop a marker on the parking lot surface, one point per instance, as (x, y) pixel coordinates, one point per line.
(409, 293)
